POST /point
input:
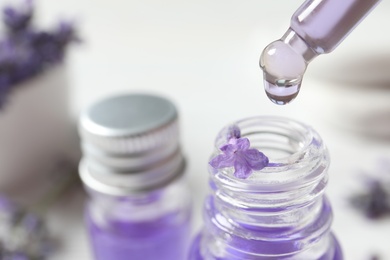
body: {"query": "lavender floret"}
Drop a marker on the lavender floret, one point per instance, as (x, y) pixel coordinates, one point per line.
(26, 51)
(374, 202)
(238, 154)
(17, 20)
(374, 199)
(23, 235)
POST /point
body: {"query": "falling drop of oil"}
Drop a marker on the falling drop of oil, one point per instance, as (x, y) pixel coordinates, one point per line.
(283, 72)
(282, 93)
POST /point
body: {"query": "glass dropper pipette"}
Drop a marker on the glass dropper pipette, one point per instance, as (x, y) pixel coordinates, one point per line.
(317, 27)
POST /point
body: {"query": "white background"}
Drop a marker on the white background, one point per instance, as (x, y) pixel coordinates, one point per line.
(203, 55)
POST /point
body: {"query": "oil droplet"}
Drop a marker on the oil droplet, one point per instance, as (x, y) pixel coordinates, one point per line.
(283, 72)
(281, 94)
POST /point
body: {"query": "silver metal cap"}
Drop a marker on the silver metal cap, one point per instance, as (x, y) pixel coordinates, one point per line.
(133, 134)
(133, 123)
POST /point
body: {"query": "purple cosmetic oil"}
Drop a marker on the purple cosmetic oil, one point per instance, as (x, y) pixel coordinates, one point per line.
(148, 241)
(317, 27)
(139, 204)
(120, 234)
(278, 212)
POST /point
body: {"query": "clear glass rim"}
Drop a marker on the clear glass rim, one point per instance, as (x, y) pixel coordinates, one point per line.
(305, 162)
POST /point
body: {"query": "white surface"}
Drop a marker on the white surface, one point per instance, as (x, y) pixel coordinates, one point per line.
(204, 56)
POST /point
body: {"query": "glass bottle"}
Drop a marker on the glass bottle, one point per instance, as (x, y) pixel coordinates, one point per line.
(317, 27)
(133, 171)
(279, 212)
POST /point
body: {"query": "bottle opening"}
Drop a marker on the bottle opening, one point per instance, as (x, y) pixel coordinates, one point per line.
(296, 153)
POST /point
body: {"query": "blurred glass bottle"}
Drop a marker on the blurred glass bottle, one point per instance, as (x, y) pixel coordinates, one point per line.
(133, 171)
(317, 27)
(279, 212)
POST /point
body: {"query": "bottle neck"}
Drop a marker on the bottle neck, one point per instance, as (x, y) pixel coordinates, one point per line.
(126, 181)
(280, 206)
(265, 211)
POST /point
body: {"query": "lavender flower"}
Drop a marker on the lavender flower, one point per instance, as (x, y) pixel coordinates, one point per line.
(23, 235)
(374, 202)
(374, 199)
(236, 153)
(18, 20)
(25, 51)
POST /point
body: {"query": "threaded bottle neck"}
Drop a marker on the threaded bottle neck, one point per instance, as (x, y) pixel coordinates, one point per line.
(282, 205)
(130, 144)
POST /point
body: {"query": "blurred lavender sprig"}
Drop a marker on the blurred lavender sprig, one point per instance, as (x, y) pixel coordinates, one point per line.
(374, 199)
(18, 20)
(26, 51)
(23, 235)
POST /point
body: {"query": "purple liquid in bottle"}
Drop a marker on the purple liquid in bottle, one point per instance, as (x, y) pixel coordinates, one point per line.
(317, 27)
(195, 252)
(279, 212)
(133, 169)
(163, 239)
(239, 246)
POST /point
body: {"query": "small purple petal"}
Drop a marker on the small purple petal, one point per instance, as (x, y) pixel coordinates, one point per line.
(66, 33)
(17, 20)
(242, 168)
(233, 132)
(232, 141)
(243, 144)
(256, 159)
(222, 161)
(228, 148)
